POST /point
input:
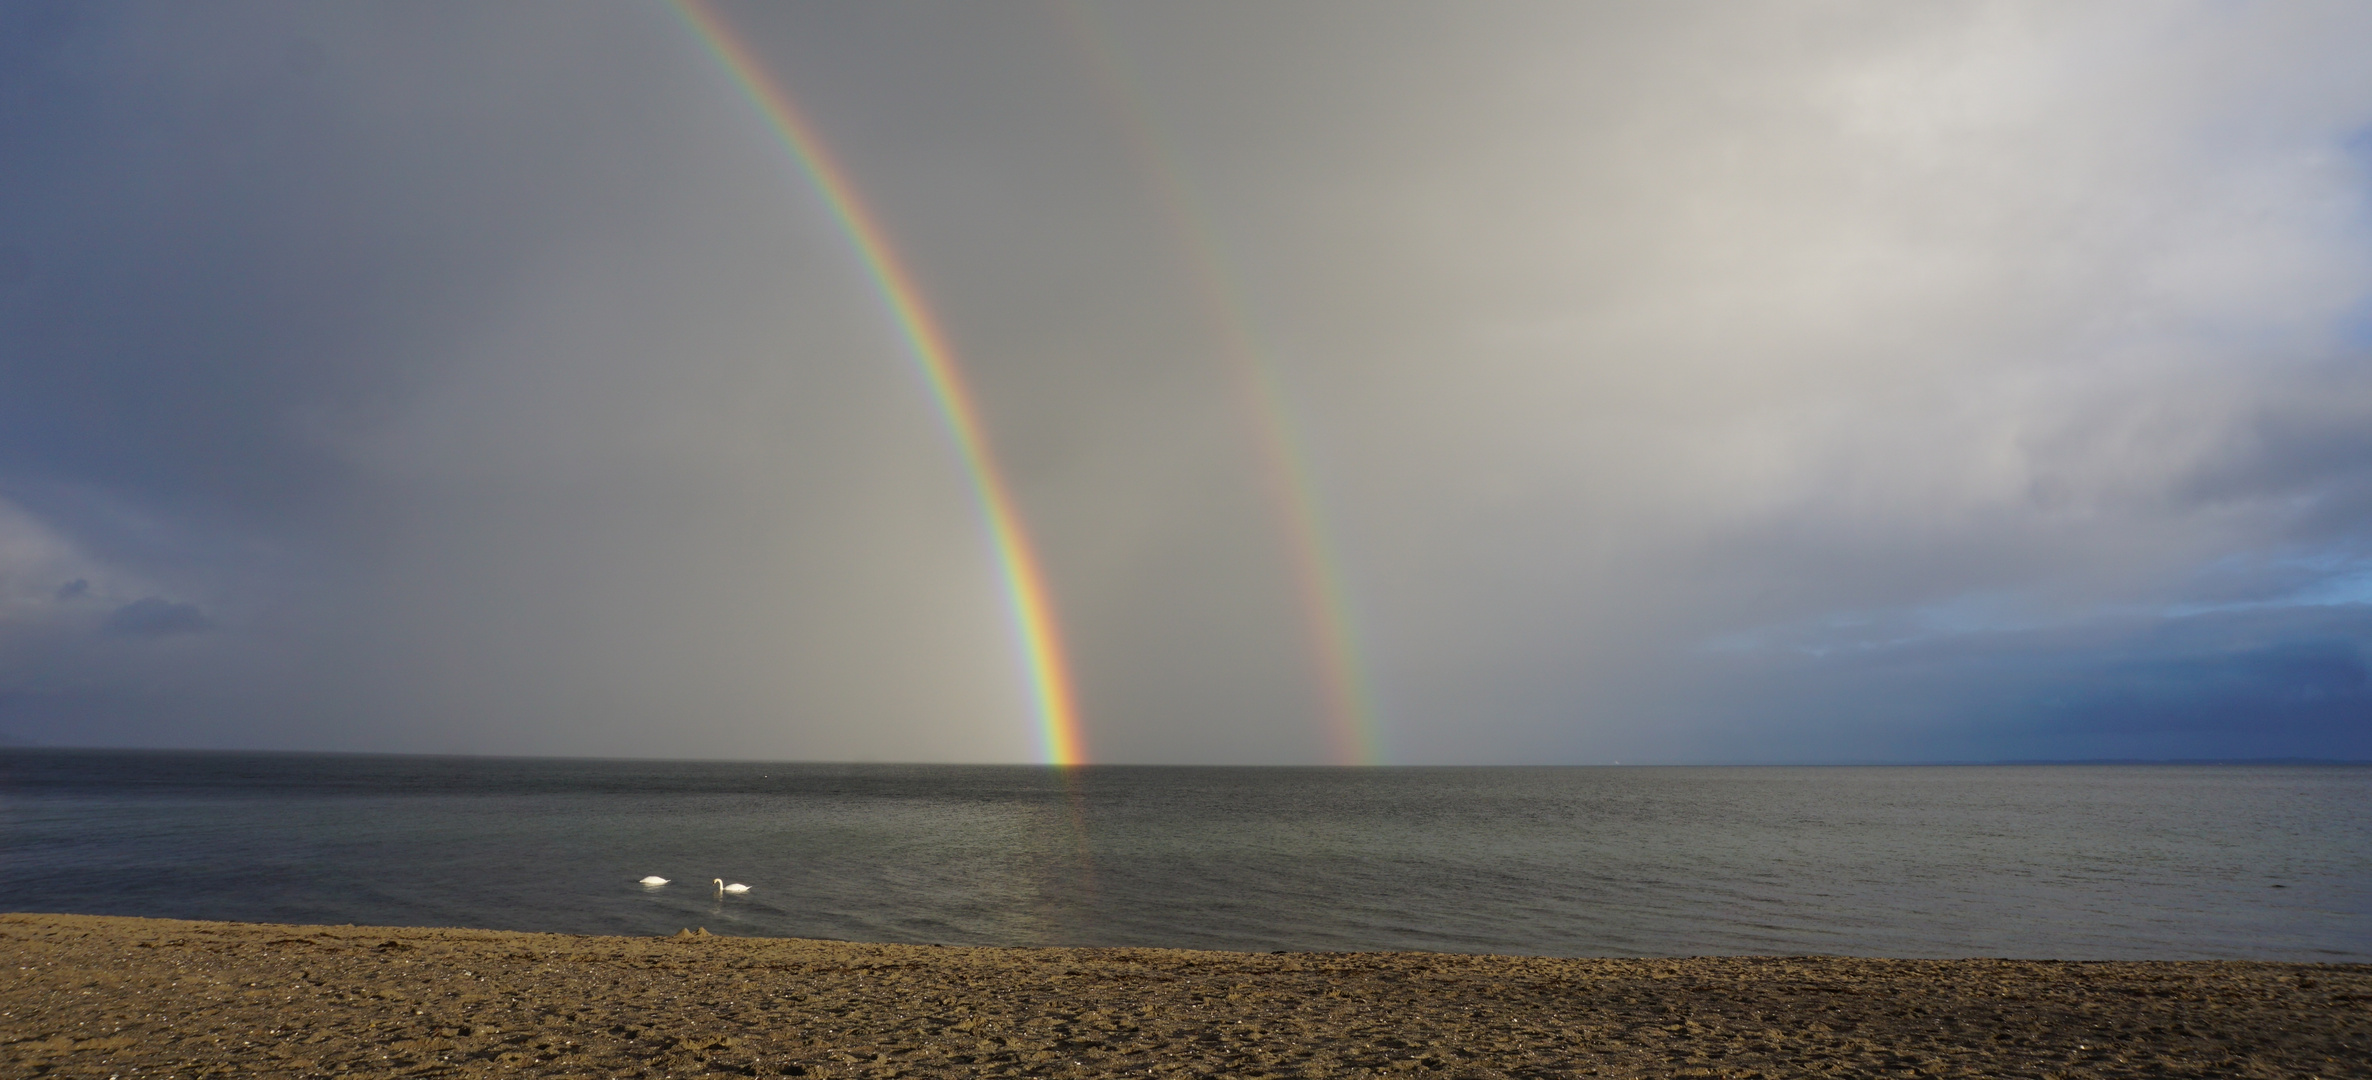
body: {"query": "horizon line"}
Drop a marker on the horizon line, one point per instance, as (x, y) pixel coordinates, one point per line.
(6, 747)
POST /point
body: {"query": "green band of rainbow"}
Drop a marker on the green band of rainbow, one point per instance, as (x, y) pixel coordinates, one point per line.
(1025, 583)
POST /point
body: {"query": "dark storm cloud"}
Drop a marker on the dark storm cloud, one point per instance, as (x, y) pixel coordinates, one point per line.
(468, 368)
(238, 223)
(154, 617)
(2264, 682)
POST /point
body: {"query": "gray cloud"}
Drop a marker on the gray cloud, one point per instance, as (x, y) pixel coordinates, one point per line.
(1678, 381)
(1660, 330)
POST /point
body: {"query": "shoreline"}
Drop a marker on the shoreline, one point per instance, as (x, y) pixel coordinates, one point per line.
(131, 997)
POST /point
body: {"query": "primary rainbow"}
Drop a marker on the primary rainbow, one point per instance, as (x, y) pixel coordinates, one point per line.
(1025, 583)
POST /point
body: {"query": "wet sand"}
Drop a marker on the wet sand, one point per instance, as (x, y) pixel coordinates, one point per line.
(94, 996)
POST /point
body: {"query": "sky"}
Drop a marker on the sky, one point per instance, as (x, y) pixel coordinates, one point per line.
(1372, 383)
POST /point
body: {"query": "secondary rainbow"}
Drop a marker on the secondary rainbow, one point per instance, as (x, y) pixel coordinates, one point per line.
(1060, 740)
(1352, 727)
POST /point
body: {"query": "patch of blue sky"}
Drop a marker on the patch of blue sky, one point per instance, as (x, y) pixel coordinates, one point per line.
(2319, 579)
(2351, 587)
(2355, 328)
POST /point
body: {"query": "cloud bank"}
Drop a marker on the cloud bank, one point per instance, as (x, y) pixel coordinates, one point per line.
(1680, 382)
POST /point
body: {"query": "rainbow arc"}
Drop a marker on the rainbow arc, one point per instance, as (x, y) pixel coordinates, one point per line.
(1026, 592)
(1352, 728)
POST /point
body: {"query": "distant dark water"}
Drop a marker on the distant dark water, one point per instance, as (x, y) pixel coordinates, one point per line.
(2083, 862)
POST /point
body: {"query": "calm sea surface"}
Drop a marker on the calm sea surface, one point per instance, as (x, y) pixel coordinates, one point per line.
(2082, 862)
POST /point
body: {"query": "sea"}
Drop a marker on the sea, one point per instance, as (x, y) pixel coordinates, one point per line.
(2085, 862)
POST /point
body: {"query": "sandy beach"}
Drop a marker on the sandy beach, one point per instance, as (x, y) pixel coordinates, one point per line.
(99, 996)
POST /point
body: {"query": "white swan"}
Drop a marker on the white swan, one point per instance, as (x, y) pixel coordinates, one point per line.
(654, 879)
(736, 887)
